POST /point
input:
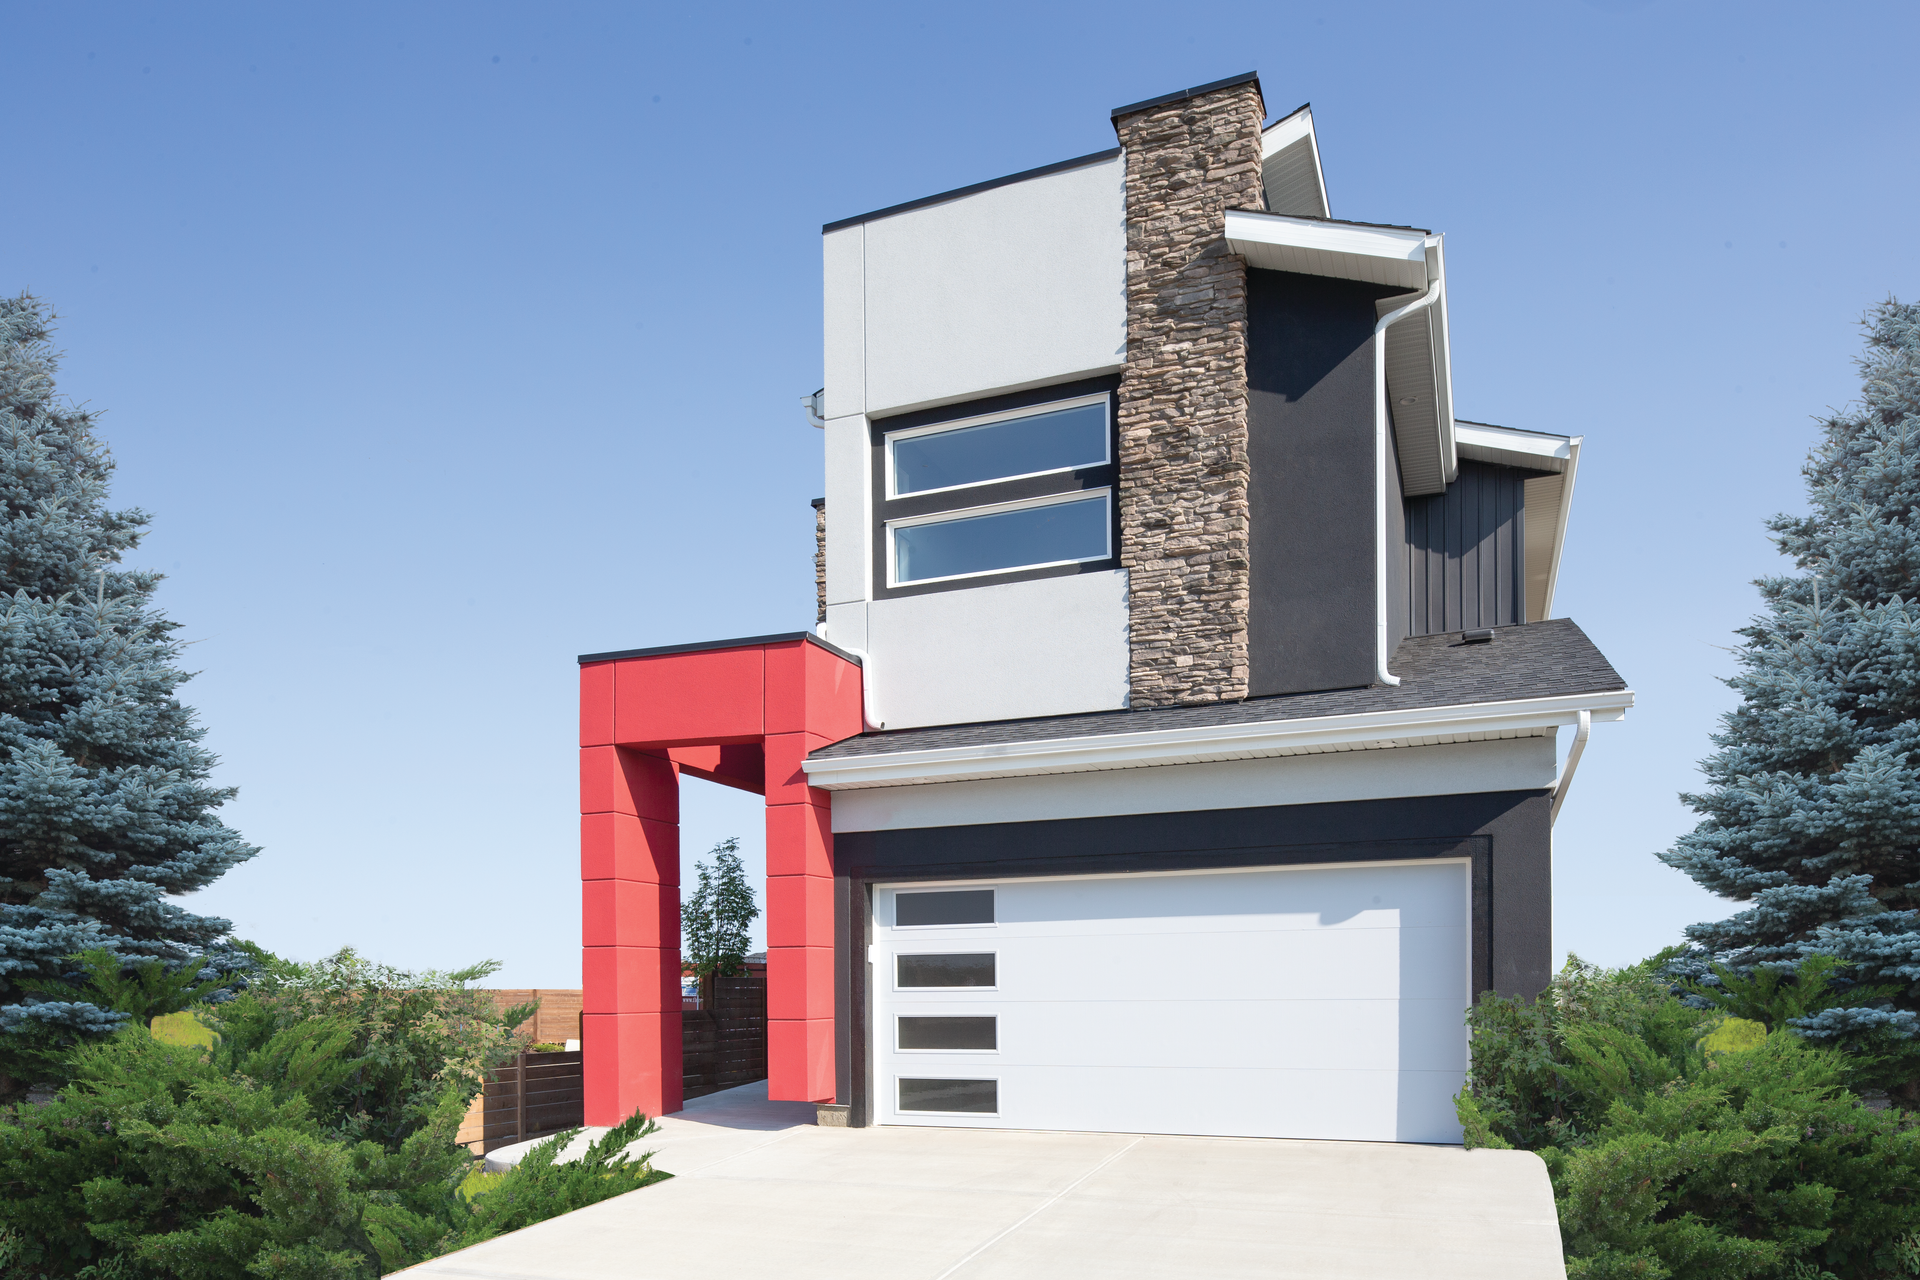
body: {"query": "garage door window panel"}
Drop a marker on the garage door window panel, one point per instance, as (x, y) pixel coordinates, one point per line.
(943, 1096)
(945, 971)
(943, 908)
(947, 1033)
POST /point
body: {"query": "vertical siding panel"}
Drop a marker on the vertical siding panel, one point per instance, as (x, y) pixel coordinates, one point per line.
(1466, 552)
(1486, 553)
(1456, 595)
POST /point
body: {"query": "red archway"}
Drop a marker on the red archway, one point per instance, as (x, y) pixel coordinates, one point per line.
(743, 713)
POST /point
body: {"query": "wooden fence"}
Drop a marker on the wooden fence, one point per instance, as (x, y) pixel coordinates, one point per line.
(552, 1098)
(725, 1044)
(558, 1020)
(530, 1097)
(722, 1045)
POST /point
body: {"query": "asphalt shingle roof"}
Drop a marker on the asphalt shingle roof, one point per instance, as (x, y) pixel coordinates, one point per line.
(1540, 660)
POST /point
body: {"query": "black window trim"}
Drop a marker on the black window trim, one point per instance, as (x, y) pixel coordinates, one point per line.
(963, 498)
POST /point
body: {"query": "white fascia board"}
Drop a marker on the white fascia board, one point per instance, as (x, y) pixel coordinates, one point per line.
(1531, 449)
(1436, 251)
(1375, 729)
(1284, 133)
(1380, 255)
(1560, 526)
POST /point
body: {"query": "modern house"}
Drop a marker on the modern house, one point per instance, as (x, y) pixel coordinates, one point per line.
(1172, 623)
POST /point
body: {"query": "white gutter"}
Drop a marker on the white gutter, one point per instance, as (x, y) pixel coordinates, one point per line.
(1202, 743)
(1436, 289)
(1573, 762)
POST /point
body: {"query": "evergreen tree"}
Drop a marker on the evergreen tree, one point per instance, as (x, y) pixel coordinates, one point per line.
(1812, 813)
(716, 918)
(105, 807)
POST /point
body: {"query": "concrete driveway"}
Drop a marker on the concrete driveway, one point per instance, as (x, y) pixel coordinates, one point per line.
(761, 1193)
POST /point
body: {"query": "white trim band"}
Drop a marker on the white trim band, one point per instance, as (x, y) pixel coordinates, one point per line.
(1363, 731)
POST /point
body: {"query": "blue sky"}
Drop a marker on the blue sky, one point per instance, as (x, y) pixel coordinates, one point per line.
(446, 342)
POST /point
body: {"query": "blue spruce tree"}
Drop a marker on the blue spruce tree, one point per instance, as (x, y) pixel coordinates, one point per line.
(1812, 814)
(105, 807)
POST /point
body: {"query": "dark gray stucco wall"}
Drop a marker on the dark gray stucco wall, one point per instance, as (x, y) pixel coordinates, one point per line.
(1505, 833)
(1310, 492)
(1466, 552)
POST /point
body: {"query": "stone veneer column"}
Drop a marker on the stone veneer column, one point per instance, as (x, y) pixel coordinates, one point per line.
(819, 559)
(1183, 396)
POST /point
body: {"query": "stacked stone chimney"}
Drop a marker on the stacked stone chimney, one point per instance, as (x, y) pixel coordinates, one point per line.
(1183, 396)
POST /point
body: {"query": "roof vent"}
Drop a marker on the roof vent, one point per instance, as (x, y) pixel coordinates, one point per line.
(1482, 636)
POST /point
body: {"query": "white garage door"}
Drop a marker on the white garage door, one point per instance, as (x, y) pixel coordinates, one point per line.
(1305, 1002)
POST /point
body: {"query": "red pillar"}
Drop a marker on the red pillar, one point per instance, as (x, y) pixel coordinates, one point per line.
(630, 918)
(813, 699)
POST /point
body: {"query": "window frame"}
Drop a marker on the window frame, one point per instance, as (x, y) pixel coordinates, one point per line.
(1102, 398)
(944, 951)
(888, 511)
(899, 1110)
(893, 910)
(993, 1017)
(1104, 494)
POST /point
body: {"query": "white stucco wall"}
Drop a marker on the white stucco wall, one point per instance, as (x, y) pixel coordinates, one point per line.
(1519, 764)
(1012, 287)
(844, 292)
(1053, 646)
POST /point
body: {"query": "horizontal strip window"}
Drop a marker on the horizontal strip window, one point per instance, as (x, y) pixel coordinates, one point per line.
(944, 971)
(949, 1034)
(1006, 488)
(938, 907)
(1029, 535)
(950, 1097)
(1012, 445)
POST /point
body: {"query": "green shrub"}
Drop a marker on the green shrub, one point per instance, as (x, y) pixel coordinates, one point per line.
(415, 1035)
(312, 1140)
(537, 1188)
(119, 989)
(1669, 1158)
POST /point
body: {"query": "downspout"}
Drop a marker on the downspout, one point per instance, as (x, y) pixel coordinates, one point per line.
(1573, 762)
(1436, 288)
(866, 682)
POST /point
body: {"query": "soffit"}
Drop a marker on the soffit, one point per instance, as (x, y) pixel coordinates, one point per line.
(1324, 247)
(1290, 167)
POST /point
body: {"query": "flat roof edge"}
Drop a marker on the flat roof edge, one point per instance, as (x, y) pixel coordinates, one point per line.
(955, 194)
(743, 642)
(1182, 95)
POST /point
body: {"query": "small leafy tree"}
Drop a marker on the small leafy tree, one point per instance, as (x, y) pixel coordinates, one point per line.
(719, 914)
(1812, 810)
(106, 811)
